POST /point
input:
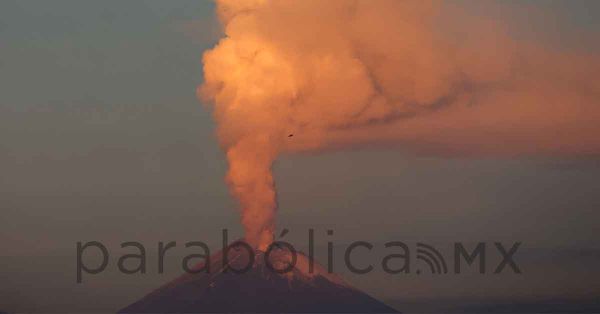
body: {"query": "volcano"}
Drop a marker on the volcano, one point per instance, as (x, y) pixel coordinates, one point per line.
(259, 289)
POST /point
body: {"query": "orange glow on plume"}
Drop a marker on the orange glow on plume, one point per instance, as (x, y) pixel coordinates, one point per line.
(415, 75)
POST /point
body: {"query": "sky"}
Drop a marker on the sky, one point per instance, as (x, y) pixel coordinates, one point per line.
(102, 138)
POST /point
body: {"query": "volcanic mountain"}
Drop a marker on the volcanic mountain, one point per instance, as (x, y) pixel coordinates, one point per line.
(258, 289)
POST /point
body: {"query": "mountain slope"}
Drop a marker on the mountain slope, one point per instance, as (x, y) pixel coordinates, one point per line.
(259, 290)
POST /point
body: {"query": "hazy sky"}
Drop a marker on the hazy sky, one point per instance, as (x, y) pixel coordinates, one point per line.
(102, 138)
(101, 130)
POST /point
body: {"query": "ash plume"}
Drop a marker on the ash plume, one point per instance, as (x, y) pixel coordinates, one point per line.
(399, 74)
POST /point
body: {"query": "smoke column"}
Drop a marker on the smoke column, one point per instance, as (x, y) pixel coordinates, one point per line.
(413, 75)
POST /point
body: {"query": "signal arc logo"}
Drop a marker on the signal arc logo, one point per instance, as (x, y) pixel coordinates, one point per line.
(432, 257)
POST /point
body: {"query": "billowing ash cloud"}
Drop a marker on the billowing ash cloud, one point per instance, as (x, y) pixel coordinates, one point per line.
(390, 73)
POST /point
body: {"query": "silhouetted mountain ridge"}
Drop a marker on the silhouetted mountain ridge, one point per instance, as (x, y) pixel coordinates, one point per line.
(258, 290)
